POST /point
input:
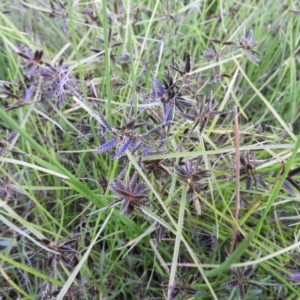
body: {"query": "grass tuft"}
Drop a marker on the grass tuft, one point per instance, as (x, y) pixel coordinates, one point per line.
(187, 112)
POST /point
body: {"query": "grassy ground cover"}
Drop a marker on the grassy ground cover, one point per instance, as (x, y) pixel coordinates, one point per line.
(149, 150)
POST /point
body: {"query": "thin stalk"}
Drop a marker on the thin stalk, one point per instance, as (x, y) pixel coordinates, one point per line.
(237, 177)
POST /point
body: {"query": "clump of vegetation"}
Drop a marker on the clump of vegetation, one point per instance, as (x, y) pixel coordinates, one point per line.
(183, 113)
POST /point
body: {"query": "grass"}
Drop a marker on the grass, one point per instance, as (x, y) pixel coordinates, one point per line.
(69, 150)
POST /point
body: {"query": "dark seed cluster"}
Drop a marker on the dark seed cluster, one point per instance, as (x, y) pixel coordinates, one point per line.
(142, 137)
